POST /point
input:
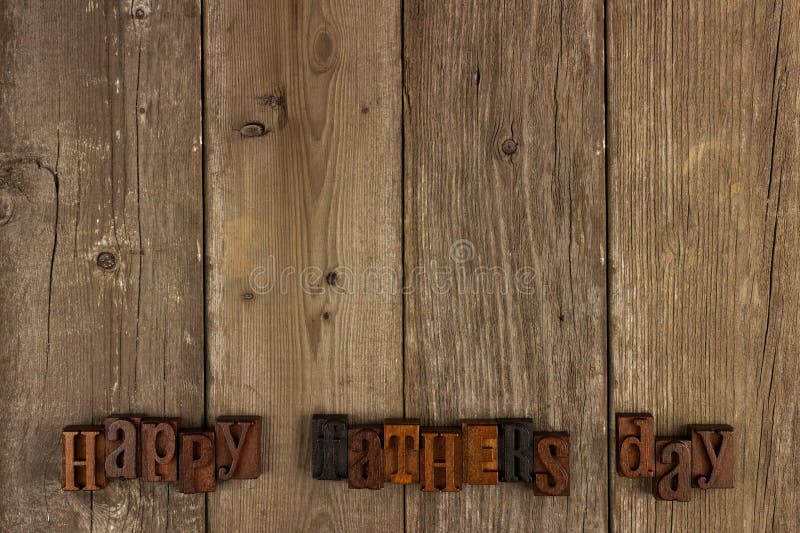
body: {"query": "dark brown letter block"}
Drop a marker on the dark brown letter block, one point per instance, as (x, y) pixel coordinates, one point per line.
(197, 461)
(480, 444)
(159, 438)
(122, 447)
(713, 456)
(551, 465)
(329, 446)
(366, 457)
(401, 450)
(441, 460)
(672, 480)
(635, 441)
(82, 453)
(516, 449)
(238, 440)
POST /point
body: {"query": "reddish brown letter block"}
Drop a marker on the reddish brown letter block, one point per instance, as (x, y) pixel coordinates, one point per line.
(401, 451)
(197, 461)
(713, 456)
(635, 441)
(480, 444)
(551, 464)
(365, 457)
(238, 442)
(672, 480)
(122, 447)
(159, 438)
(441, 460)
(82, 452)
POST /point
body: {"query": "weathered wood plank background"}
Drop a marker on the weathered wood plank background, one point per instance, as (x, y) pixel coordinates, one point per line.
(100, 153)
(703, 111)
(294, 218)
(212, 207)
(504, 184)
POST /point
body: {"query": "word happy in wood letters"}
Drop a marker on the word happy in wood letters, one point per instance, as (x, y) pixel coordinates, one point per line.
(158, 450)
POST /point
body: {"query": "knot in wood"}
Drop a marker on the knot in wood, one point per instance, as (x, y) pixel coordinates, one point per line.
(106, 261)
(253, 129)
(6, 208)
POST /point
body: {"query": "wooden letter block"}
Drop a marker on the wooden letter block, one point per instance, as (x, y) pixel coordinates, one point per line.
(672, 480)
(713, 456)
(480, 443)
(441, 461)
(197, 461)
(551, 466)
(122, 447)
(516, 449)
(366, 457)
(401, 451)
(159, 438)
(238, 442)
(635, 441)
(329, 446)
(82, 453)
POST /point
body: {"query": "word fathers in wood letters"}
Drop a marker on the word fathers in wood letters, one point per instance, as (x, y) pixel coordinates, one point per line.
(440, 459)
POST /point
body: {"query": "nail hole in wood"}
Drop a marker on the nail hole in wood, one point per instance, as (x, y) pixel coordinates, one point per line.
(509, 146)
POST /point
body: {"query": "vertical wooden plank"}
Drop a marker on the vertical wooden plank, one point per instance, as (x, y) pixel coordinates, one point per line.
(100, 246)
(303, 179)
(704, 238)
(505, 188)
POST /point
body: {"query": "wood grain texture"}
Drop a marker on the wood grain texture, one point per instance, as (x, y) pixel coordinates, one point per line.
(504, 149)
(83, 172)
(303, 115)
(704, 246)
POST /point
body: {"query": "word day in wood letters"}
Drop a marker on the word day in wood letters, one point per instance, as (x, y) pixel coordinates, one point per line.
(157, 449)
(440, 459)
(705, 459)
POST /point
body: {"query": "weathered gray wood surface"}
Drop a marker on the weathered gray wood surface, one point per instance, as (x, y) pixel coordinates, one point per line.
(100, 151)
(705, 239)
(320, 192)
(478, 77)
(454, 146)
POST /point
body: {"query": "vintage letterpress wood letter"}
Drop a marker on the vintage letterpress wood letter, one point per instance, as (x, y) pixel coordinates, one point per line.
(197, 461)
(122, 447)
(401, 450)
(366, 457)
(635, 441)
(329, 446)
(672, 479)
(516, 449)
(159, 438)
(238, 441)
(713, 456)
(82, 452)
(551, 465)
(480, 444)
(441, 460)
